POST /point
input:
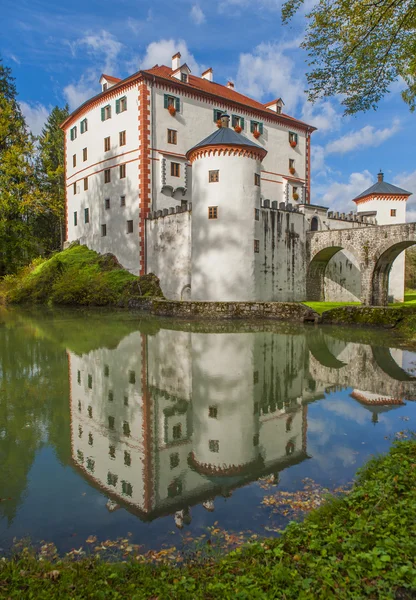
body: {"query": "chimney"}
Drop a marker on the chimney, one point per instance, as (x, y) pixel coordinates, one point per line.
(208, 75)
(176, 61)
(230, 85)
(225, 120)
(380, 176)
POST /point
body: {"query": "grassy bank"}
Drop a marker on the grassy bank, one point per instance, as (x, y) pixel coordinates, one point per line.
(78, 277)
(362, 545)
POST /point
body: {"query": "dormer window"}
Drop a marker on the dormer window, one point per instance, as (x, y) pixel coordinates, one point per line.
(105, 86)
(184, 77)
(106, 112)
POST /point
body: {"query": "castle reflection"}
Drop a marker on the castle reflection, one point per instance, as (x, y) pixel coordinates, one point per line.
(167, 421)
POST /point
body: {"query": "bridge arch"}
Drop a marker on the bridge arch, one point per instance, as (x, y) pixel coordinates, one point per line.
(384, 260)
(315, 275)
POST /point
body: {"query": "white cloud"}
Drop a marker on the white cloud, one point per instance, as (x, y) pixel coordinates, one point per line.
(35, 116)
(338, 196)
(365, 137)
(197, 14)
(272, 5)
(407, 181)
(317, 158)
(102, 46)
(321, 115)
(77, 93)
(161, 52)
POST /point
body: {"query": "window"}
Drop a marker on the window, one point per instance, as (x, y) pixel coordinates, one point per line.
(213, 176)
(293, 138)
(212, 212)
(291, 163)
(213, 412)
(174, 460)
(86, 215)
(122, 200)
(73, 133)
(80, 456)
(214, 445)
(107, 144)
(126, 400)
(129, 226)
(132, 377)
(112, 451)
(314, 224)
(110, 396)
(107, 175)
(126, 429)
(257, 214)
(79, 374)
(111, 422)
(127, 458)
(256, 439)
(112, 479)
(103, 230)
(256, 246)
(90, 439)
(84, 154)
(172, 136)
(74, 187)
(79, 431)
(90, 382)
(172, 101)
(217, 114)
(106, 113)
(393, 212)
(256, 126)
(184, 77)
(107, 203)
(79, 405)
(75, 218)
(175, 169)
(90, 464)
(126, 488)
(89, 411)
(74, 160)
(122, 138)
(295, 194)
(122, 171)
(256, 179)
(177, 431)
(121, 104)
(85, 183)
(106, 370)
(105, 86)
(237, 121)
(83, 126)
(255, 377)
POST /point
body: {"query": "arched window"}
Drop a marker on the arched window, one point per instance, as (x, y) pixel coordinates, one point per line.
(314, 224)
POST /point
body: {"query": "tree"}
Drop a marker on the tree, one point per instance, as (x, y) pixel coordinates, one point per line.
(52, 171)
(358, 48)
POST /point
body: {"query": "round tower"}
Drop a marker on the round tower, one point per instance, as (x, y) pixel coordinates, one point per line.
(225, 195)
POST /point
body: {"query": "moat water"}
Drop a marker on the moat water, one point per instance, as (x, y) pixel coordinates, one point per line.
(114, 425)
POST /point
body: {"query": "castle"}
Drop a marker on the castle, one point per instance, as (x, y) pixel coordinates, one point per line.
(209, 189)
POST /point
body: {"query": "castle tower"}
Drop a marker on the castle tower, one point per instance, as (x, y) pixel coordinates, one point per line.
(226, 195)
(387, 203)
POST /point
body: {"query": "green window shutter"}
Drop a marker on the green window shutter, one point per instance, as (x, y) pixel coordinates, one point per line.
(72, 135)
(103, 114)
(166, 101)
(125, 102)
(242, 122)
(296, 137)
(118, 105)
(177, 104)
(261, 128)
(234, 120)
(252, 126)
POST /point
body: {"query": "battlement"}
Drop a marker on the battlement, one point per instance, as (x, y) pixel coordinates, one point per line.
(351, 218)
(157, 214)
(275, 205)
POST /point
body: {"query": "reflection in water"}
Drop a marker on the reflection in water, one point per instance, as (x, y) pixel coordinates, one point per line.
(167, 421)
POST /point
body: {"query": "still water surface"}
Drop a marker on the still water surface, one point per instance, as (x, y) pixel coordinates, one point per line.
(112, 424)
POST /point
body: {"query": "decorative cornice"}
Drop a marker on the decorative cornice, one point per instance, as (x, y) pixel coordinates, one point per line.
(381, 197)
(226, 150)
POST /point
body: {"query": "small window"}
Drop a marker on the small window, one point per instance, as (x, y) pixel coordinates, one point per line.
(172, 101)
(79, 405)
(184, 77)
(90, 439)
(106, 370)
(107, 203)
(121, 104)
(111, 422)
(107, 144)
(89, 411)
(129, 226)
(90, 382)
(237, 122)
(291, 163)
(175, 169)
(80, 456)
(217, 114)
(256, 179)
(79, 377)
(111, 396)
(126, 429)
(73, 133)
(174, 460)
(122, 200)
(212, 212)
(112, 479)
(177, 431)
(85, 183)
(103, 230)
(79, 431)
(86, 215)
(314, 224)
(393, 212)
(84, 154)
(132, 377)
(256, 246)
(122, 171)
(83, 126)
(126, 488)
(105, 86)
(75, 218)
(256, 127)
(112, 451)
(214, 445)
(122, 138)
(74, 160)
(126, 400)
(213, 176)
(127, 458)
(107, 175)
(74, 187)
(106, 112)
(256, 439)
(257, 214)
(90, 464)
(255, 377)
(293, 138)
(172, 136)
(213, 412)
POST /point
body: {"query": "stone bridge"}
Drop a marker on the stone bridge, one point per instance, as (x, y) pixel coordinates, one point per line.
(375, 249)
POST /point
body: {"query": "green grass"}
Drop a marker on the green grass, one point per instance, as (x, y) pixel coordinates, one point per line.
(79, 277)
(362, 545)
(321, 307)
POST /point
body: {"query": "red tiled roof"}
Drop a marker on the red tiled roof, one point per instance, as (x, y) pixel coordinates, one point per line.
(111, 78)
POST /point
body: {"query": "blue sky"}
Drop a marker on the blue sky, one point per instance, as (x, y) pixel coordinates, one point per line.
(57, 51)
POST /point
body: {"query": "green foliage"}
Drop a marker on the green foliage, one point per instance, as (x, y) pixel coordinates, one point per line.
(410, 268)
(80, 277)
(360, 546)
(358, 49)
(321, 307)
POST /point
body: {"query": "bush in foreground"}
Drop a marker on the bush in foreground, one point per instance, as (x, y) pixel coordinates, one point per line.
(77, 276)
(360, 546)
